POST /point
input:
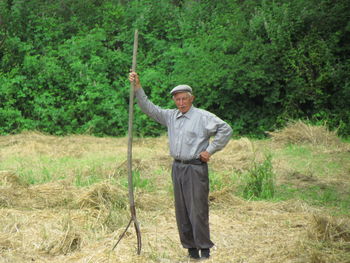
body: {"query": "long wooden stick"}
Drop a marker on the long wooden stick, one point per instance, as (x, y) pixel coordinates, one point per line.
(130, 137)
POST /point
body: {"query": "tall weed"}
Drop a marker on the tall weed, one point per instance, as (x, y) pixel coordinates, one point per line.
(259, 181)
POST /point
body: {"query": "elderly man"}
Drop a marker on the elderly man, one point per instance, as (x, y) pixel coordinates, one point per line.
(189, 131)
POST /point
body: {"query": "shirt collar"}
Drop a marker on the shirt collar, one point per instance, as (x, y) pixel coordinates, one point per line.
(188, 114)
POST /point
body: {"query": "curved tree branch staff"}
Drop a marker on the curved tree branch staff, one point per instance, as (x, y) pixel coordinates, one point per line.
(189, 131)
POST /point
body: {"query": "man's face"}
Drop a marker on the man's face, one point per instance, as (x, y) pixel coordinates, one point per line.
(183, 101)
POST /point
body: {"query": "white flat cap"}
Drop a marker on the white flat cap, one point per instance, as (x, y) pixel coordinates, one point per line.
(181, 88)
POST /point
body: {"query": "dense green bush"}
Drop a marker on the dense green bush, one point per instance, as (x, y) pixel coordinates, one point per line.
(256, 64)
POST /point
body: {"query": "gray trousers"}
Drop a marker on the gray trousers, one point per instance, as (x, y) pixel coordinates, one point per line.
(191, 191)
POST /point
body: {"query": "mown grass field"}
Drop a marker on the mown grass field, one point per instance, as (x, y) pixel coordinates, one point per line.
(65, 199)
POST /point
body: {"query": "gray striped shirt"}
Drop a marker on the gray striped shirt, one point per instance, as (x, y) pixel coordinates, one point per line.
(189, 134)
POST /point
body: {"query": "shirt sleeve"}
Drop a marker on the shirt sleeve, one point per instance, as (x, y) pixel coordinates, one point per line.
(222, 133)
(155, 112)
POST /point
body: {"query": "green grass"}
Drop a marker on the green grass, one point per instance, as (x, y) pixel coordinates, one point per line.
(255, 184)
(298, 156)
(346, 140)
(318, 171)
(259, 182)
(44, 169)
(139, 182)
(321, 196)
(306, 160)
(216, 181)
(82, 180)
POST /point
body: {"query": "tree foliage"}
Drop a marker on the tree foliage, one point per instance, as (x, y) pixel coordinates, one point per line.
(256, 64)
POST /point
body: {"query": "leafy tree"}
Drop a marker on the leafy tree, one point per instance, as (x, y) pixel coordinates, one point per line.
(256, 64)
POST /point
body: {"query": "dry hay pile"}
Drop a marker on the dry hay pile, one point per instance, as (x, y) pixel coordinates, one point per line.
(224, 196)
(52, 220)
(289, 231)
(238, 155)
(155, 151)
(152, 201)
(103, 196)
(299, 132)
(77, 146)
(38, 235)
(62, 241)
(59, 222)
(15, 193)
(8, 178)
(326, 228)
(328, 239)
(137, 165)
(245, 232)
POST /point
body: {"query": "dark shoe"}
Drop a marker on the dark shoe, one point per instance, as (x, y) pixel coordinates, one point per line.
(193, 253)
(205, 253)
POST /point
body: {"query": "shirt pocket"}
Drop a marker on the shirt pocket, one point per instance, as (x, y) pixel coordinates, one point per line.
(190, 137)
